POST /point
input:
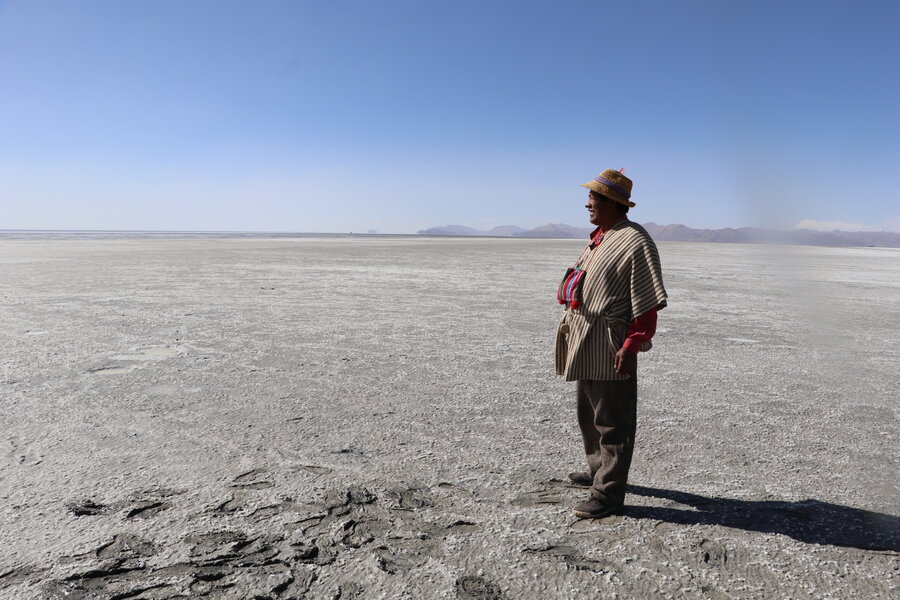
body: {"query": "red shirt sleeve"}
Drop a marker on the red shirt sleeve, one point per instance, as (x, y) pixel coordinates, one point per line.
(640, 330)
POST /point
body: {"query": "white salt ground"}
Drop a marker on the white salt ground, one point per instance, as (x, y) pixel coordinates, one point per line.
(378, 418)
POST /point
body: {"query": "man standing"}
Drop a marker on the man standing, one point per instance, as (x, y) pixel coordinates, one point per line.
(611, 295)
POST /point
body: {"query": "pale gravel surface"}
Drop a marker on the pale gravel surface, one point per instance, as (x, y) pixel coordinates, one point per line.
(378, 418)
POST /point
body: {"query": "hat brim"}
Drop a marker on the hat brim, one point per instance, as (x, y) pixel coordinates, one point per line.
(596, 186)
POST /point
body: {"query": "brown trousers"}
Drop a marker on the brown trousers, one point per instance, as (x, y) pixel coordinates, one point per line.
(607, 416)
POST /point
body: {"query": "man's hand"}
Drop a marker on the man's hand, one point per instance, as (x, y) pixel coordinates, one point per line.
(626, 362)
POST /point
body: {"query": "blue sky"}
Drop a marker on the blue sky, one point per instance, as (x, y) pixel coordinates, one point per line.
(396, 116)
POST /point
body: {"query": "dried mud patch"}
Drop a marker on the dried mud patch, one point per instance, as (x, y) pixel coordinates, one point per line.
(477, 588)
(394, 526)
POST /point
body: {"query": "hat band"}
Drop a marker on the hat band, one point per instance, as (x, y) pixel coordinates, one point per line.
(614, 186)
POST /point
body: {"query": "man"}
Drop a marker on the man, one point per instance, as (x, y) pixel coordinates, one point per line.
(611, 295)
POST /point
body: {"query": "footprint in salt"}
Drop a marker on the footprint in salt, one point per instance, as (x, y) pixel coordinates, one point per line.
(25, 453)
(148, 353)
(741, 340)
(111, 369)
(137, 356)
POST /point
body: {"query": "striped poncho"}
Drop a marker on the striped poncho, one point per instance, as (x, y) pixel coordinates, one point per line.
(623, 280)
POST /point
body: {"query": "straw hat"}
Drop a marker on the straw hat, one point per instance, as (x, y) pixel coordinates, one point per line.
(612, 184)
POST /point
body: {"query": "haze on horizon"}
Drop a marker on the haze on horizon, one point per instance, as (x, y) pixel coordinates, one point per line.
(400, 116)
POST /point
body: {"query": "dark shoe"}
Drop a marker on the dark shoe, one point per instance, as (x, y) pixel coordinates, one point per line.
(581, 478)
(594, 509)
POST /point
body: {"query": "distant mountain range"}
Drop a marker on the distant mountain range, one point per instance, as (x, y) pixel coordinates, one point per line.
(682, 233)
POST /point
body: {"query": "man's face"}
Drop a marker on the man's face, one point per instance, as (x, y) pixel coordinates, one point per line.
(600, 209)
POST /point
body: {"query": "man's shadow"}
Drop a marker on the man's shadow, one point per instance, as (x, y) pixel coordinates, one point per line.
(809, 521)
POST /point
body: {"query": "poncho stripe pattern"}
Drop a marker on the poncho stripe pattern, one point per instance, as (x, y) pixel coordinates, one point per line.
(623, 280)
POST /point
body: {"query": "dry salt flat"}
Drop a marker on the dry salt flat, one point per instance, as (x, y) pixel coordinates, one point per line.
(375, 417)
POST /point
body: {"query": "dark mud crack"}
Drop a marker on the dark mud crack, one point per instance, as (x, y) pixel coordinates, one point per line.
(276, 553)
(570, 556)
(85, 508)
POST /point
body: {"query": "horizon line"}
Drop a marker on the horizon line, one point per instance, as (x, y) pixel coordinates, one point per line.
(374, 232)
